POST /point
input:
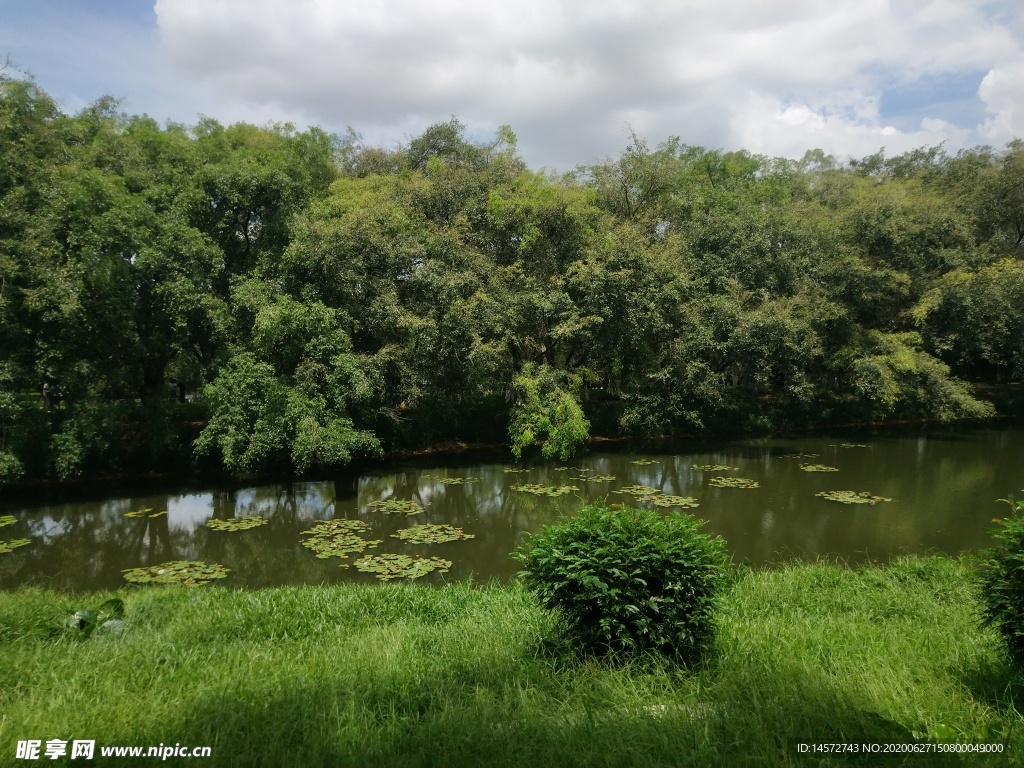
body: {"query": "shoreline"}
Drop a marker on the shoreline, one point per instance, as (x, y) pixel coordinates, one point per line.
(108, 482)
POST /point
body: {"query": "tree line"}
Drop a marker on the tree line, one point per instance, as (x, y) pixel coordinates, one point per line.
(327, 299)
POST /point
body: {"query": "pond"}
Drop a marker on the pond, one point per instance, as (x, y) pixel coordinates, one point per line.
(772, 499)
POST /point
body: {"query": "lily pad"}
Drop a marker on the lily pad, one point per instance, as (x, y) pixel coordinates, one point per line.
(818, 468)
(431, 534)
(644, 462)
(799, 455)
(733, 482)
(6, 520)
(595, 478)
(243, 523)
(397, 506)
(514, 471)
(665, 500)
(338, 538)
(450, 480)
(391, 566)
(853, 445)
(851, 497)
(639, 491)
(713, 467)
(545, 490)
(187, 572)
(11, 544)
(145, 512)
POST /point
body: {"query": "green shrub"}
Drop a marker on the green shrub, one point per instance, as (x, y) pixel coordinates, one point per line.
(628, 579)
(1003, 581)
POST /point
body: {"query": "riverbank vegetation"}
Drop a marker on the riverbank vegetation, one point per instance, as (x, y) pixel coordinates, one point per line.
(395, 675)
(328, 299)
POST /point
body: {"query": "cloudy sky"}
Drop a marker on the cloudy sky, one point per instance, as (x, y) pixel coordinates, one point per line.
(848, 76)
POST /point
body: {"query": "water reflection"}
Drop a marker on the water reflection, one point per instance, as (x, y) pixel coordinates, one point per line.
(943, 484)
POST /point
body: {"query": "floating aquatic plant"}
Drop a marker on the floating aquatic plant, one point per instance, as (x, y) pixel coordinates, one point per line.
(666, 500)
(397, 506)
(595, 478)
(11, 544)
(451, 480)
(545, 490)
(6, 520)
(338, 538)
(243, 523)
(431, 534)
(799, 455)
(638, 490)
(390, 566)
(851, 497)
(818, 468)
(514, 471)
(733, 482)
(713, 467)
(852, 445)
(644, 462)
(187, 572)
(145, 512)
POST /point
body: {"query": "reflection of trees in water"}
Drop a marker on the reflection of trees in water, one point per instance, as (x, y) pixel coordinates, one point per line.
(86, 545)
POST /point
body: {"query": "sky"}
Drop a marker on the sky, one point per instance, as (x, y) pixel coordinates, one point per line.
(572, 79)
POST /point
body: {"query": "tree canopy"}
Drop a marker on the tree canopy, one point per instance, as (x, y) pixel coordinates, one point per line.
(323, 299)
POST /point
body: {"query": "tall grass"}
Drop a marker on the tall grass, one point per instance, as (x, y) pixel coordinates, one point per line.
(410, 676)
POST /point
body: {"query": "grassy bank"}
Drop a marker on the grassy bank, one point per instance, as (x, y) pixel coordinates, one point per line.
(410, 676)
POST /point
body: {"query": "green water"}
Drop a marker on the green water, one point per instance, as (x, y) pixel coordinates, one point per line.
(943, 484)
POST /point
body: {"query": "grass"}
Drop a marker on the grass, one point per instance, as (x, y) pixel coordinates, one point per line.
(397, 675)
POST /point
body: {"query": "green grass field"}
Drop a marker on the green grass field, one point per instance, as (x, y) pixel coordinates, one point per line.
(398, 675)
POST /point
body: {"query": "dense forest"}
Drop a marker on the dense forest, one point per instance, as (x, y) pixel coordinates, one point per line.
(250, 297)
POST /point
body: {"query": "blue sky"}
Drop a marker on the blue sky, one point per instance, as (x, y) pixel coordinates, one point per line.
(849, 76)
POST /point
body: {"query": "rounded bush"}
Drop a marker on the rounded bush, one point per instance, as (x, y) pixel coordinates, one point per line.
(1002, 577)
(626, 579)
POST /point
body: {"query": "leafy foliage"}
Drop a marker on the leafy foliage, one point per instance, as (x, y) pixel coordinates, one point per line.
(322, 300)
(628, 579)
(547, 411)
(1002, 581)
(9, 545)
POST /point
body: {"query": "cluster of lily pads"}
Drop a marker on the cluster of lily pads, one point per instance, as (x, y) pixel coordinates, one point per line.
(545, 490)
(658, 498)
(243, 523)
(431, 534)
(338, 538)
(713, 467)
(391, 566)
(6, 520)
(186, 572)
(851, 497)
(405, 507)
(733, 482)
(644, 462)
(818, 468)
(9, 545)
(451, 480)
(145, 512)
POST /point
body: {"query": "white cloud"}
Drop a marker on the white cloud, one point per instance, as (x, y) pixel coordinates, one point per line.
(1001, 91)
(777, 78)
